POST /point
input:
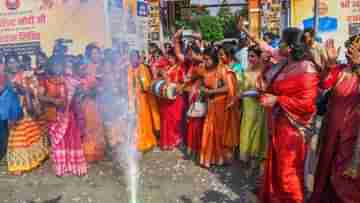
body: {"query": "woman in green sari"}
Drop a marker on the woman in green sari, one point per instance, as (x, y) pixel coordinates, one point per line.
(253, 129)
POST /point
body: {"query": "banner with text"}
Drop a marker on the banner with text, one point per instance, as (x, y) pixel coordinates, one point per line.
(128, 21)
(28, 26)
(338, 19)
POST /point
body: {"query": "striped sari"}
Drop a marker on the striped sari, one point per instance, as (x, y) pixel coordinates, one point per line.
(66, 151)
(27, 144)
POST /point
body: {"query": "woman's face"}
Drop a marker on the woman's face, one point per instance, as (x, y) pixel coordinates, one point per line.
(253, 58)
(266, 57)
(223, 57)
(209, 63)
(95, 56)
(172, 60)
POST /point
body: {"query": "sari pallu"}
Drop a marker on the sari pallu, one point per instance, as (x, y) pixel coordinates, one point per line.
(231, 137)
(285, 164)
(66, 150)
(339, 139)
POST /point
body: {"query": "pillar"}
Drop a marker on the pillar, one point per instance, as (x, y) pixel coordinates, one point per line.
(254, 7)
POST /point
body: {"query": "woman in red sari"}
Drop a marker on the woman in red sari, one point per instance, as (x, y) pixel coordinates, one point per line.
(171, 111)
(337, 177)
(291, 94)
(189, 59)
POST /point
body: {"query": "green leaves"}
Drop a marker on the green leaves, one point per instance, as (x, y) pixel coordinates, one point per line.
(213, 28)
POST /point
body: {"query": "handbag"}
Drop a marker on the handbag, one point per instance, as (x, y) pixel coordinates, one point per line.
(198, 109)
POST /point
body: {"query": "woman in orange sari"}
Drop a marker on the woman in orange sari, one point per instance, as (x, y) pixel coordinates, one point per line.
(93, 132)
(213, 150)
(291, 94)
(232, 113)
(142, 103)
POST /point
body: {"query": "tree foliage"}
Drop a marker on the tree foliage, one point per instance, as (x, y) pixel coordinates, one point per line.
(213, 28)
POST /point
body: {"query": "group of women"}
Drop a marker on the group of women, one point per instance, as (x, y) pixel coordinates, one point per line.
(51, 104)
(265, 114)
(297, 168)
(268, 114)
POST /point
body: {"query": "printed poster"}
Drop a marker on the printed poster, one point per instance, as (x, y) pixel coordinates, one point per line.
(27, 26)
(337, 19)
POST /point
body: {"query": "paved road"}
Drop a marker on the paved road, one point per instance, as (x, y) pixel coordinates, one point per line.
(165, 178)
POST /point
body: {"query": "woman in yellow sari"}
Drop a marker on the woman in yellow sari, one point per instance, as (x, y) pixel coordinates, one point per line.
(27, 144)
(143, 103)
(253, 128)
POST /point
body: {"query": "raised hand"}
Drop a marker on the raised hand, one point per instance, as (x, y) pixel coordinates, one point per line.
(353, 53)
(332, 51)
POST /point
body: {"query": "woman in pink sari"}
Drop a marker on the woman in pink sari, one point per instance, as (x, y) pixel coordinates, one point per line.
(291, 95)
(337, 178)
(66, 150)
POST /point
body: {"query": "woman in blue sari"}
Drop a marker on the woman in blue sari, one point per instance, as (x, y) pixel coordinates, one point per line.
(10, 111)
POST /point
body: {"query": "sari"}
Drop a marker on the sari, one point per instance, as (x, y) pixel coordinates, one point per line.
(10, 111)
(143, 103)
(232, 115)
(93, 131)
(194, 125)
(27, 144)
(66, 150)
(253, 128)
(296, 89)
(216, 141)
(340, 135)
(171, 112)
